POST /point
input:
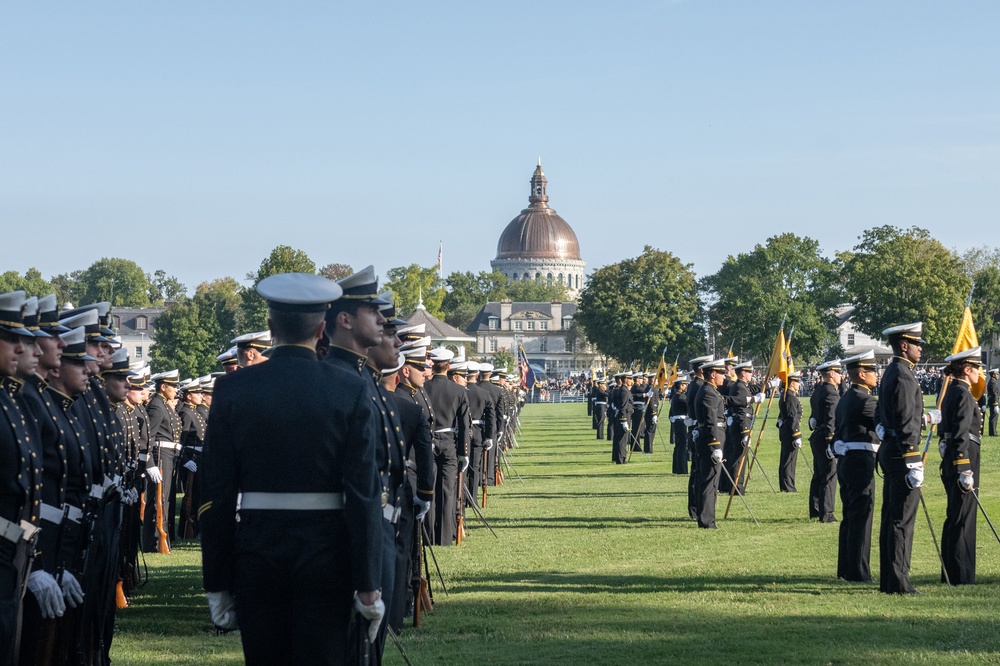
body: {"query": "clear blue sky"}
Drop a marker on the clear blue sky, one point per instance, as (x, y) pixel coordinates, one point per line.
(196, 136)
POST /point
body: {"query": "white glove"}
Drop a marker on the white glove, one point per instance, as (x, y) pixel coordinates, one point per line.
(191, 466)
(422, 507)
(127, 499)
(829, 452)
(373, 613)
(489, 444)
(942, 448)
(729, 420)
(746, 440)
(812, 422)
(71, 590)
(695, 433)
(880, 431)
(655, 418)
(915, 478)
(966, 481)
(781, 422)
(154, 474)
(775, 382)
(464, 461)
(758, 398)
(840, 448)
(996, 409)
(717, 456)
(47, 593)
(689, 422)
(932, 417)
(626, 426)
(222, 607)
(797, 442)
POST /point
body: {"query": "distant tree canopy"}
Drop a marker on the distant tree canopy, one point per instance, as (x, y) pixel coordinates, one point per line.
(468, 293)
(410, 284)
(336, 271)
(253, 308)
(635, 308)
(121, 282)
(897, 276)
(32, 283)
(753, 291)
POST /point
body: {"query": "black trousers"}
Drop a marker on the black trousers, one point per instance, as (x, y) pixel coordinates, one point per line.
(403, 583)
(823, 486)
(638, 430)
(786, 464)
(958, 536)
(165, 459)
(649, 431)
(293, 601)
(10, 603)
(600, 412)
(474, 474)
(856, 472)
(445, 523)
(620, 443)
(679, 437)
(899, 511)
(708, 487)
(693, 478)
(993, 416)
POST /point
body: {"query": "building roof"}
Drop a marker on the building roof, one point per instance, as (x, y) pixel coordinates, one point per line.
(438, 330)
(538, 311)
(538, 232)
(128, 317)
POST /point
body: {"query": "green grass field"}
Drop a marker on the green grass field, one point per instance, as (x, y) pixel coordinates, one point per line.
(598, 564)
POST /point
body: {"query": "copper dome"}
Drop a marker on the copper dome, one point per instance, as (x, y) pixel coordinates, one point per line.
(538, 232)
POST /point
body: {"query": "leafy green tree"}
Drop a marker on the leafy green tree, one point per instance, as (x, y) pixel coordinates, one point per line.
(631, 310)
(897, 276)
(164, 288)
(986, 305)
(31, 282)
(187, 339)
(67, 287)
(536, 291)
(753, 291)
(336, 271)
(411, 283)
(977, 258)
(283, 259)
(504, 358)
(467, 294)
(121, 282)
(220, 301)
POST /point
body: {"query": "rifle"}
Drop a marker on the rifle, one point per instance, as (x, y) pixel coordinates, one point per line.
(486, 459)
(460, 509)
(163, 545)
(421, 591)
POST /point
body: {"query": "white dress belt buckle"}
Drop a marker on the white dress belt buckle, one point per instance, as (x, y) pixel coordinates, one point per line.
(291, 501)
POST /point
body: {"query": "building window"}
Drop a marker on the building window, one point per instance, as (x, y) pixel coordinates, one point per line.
(118, 322)
(516, 277)
(560, 278)
(549, 279)
(138, 351)
(543, 344)
(531, 325)
(518, 325)
(526, 277)
(141, 323)
(543, 325)
(850, 339)
(494, 323)
(493, 345)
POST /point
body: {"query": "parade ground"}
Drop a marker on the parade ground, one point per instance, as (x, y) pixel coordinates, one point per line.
(597, 563)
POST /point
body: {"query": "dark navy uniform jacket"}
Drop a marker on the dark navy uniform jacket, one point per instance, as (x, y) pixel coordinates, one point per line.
(900, 409)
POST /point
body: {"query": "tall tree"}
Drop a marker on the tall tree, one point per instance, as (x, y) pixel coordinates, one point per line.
(986, 305)
(536, 291)
(121, 282)
(220, 300)
(186, 339)
(413, 282)
(67, 287)
(753, 291)
(898, 276)
(283, 259)
(469, 292)
(336, 271)
(631, 310)
(31, 282)
(164, 288)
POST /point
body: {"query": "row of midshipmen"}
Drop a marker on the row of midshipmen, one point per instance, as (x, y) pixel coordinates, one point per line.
(321, 464)
(712, 417)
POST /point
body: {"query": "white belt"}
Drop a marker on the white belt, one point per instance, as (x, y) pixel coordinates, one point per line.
(97, 491)
(143, 457)
(444, 430)
(50, 514)
(600, 402)
(477, 422)
(292, 501)
(861, 446)
(196, 449)
(13, 532)
(639, 404)
(390, 513)
(164, 444)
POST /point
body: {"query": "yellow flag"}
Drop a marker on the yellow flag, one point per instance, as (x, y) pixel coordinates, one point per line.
(673, 371)
(779, 362)
(788, 356)
(661, 373)
(967, 339)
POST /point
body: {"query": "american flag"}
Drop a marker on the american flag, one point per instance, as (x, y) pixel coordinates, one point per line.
(440, 260)
(527, 374)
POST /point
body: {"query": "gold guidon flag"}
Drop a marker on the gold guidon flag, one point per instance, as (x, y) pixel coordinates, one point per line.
(778, 366)
(967, 339)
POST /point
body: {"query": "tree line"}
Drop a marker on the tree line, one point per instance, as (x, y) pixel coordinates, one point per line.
(633, 309)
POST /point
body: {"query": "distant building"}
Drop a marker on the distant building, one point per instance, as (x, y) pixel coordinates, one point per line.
(137, 329)
(539, 245)
(441, 333)
(545, 330)
(853, 341)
